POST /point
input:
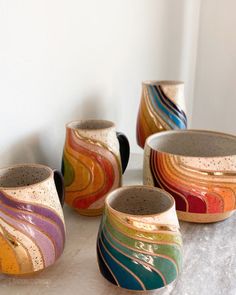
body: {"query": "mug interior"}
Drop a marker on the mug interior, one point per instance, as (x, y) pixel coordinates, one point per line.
(193, 143)
(140, 200)
(20, 176)
(91, 124)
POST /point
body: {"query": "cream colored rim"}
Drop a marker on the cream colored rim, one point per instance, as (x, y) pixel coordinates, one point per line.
(75, 125)
(189, 131)
(163, 82)
(144, 187)
(25, 165)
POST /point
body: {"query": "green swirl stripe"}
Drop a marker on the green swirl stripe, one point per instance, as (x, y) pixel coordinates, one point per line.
(172, 251)
(150, 237)
(68, 171)
(167, 267)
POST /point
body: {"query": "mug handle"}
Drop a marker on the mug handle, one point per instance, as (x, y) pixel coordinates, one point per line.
(59, 182)
(124, 150)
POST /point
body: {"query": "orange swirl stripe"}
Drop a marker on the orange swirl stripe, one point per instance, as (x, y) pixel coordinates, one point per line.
(95, 171)
(192, 190)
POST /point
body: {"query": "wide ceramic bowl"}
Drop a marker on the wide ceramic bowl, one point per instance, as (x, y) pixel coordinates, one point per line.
(198, 168)
(139, 246)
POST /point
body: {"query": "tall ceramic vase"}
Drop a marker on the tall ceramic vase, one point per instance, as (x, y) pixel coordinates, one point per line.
(162, 107)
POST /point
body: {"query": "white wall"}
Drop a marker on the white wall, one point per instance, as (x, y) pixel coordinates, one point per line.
(215, 87)
(70, 59)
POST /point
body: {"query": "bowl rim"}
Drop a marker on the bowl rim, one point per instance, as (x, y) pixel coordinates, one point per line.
(203, 131)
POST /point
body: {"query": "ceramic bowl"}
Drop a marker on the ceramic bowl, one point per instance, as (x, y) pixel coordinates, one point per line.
(198, 168)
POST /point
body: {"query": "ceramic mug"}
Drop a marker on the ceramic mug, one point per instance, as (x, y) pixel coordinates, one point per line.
(198, 168)
(32, 229)
(162, 107)
(139, 245)
(94, 158)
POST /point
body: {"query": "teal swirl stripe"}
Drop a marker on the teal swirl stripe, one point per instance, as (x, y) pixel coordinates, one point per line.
(136, 264)
(169, 111)
(159, 111)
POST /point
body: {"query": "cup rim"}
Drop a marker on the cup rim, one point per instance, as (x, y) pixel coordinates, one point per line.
(128, 187)
(70, 124)
(50, 170)
(163, 82)
(193, 131)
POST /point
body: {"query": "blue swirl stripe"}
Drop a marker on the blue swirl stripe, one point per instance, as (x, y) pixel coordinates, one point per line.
(166, 112)
(124, 278)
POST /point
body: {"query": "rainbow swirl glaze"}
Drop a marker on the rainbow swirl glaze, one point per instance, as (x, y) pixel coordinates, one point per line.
(195, 190)
(32, 235)
(91, 170)
(135, 256)
(159, 112)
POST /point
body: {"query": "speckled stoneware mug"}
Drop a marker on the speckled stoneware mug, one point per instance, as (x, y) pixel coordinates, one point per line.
(32, 229)
(94, 158)
(198, 168)
(162, 107)
(139, 245)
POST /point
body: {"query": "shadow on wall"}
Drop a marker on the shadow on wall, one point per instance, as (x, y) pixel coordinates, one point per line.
(26, 150)
(45, 146)
(92, 107)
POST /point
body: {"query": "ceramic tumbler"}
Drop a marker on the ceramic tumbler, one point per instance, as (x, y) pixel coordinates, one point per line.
(139, 245)
(162, 107)
(94, 158)
(32, 229)
(198, 168)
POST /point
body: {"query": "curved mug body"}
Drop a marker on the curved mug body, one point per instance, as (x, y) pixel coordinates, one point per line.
(32, 229)
(94, 158)
(139, 245)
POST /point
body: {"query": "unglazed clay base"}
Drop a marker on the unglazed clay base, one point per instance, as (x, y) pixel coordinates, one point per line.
(203, 218)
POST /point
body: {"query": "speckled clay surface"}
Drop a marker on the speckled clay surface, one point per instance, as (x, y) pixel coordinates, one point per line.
(32, 230)
(162, 107)
(139, 245)
(91, 164)
(209, 260)
(198, 168)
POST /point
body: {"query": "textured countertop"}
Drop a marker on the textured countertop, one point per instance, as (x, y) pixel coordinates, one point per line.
(209, 258)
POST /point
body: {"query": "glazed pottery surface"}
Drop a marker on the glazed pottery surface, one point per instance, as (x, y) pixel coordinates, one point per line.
(32, 229)
(139, 246)
(198, 168)
(162, 107)
(93, 161)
